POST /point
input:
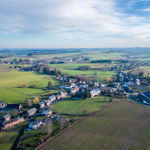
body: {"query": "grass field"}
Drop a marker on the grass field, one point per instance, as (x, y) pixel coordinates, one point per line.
(105, 56)
(72, 69)
(7, 138)
(15, 79)
(121, 125)
(4, 69)
(76, 107)
(18, 95)
(11, 81)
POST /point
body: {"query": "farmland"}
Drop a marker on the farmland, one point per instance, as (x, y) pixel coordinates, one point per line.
(103, 56)
(76, 107)
(8, 138)
(114, 127)
(72, 69)
(15, 86)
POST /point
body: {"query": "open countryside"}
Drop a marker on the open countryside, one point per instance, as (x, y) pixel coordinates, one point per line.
(49, 101)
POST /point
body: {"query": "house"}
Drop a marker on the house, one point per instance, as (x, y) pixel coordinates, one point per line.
(41, 105)
(47, 102)
(14, 106)
(31, 112)
(52, 98)
(63, 94)
(95, 92)
(12, 123)
(35, 124)
(95, 84)
(137, 82)
(108, 89)
(74, 90)
(145, 97)
(6, 118)
(58, 96)
(3, 104)
(47, 112)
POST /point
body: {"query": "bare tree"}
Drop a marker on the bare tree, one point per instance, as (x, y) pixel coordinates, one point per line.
(62, 122)
(85, 111)
(28, 102)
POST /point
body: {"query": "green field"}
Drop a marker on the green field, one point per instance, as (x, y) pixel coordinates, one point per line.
(14, 86)
(76, 107)
(8, 137)
(72, 69)
(121, 125)
(105, 56)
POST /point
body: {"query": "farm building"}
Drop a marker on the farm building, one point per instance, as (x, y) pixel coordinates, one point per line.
(74, 90)
(47, 102)
(31, 112)
(145, 97)
(35, 124)
(61, 95)
(47, 113)
(12, 123)
(6, 118)
(3, 104)
(52, 98)
(95, 92)
(41, 105)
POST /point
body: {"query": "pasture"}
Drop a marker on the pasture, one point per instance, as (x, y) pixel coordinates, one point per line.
(105, 56)
(76, 107)
(121, 125)
(14, 86)
(72, 69)
(8, 137)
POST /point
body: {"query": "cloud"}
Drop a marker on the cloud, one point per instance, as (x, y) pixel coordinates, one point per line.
(86, 20)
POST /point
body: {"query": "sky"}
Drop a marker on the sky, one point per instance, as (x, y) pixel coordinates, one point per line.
(74, 23)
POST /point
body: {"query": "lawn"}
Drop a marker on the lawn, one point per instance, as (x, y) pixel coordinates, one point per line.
(121, 125)
(77, 106)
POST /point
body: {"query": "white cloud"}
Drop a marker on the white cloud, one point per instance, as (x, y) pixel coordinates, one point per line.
(95, 20)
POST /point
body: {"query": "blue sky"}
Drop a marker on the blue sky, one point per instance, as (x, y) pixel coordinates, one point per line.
(74, 23)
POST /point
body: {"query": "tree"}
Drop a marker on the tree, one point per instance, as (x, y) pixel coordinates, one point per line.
(110, 100)
(47, 129)
(14, 113)
(85, 111)
(62, 122)
(141, 74)
(36, 100)
(87, 94)
(28, 102)
(49, 85)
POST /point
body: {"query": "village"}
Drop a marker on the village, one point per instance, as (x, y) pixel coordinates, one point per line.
(122, 87)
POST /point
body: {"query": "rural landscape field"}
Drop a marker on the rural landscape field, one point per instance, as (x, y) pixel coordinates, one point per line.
(64, 98)
(74, 75)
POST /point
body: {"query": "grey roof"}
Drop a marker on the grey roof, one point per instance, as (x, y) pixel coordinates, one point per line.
(6, 116)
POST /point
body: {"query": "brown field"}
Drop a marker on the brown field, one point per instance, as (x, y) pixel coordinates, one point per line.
(4, 69)
(122, 125)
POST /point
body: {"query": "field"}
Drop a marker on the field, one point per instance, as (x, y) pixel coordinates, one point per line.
(4, 69)
(8, 138)
(14, 86)
(121, 125)
(72, 69)
(76, 107)
(105, 56)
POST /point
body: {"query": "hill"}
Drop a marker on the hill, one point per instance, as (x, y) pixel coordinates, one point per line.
(121, 125)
